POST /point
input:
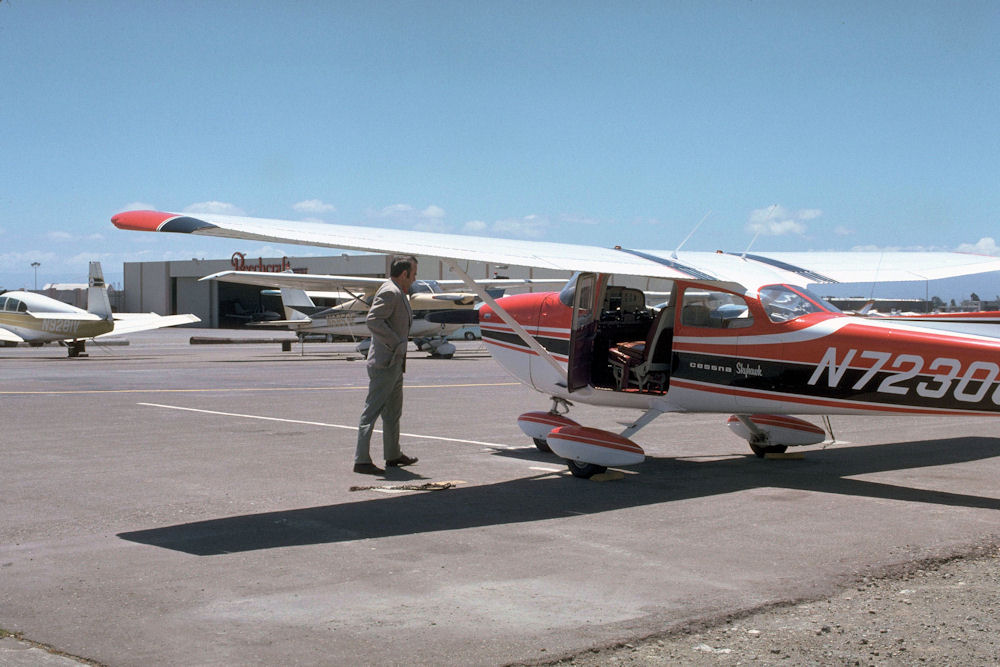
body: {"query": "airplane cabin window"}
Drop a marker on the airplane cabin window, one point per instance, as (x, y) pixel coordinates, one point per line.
(22, 307)
(782, 303)
(715, 310)
(3, 302)
(12, 305)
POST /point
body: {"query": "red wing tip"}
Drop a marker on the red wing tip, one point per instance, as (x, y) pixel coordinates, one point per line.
(141, 221)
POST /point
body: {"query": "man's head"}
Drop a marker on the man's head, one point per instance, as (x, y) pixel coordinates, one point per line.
(403, 271)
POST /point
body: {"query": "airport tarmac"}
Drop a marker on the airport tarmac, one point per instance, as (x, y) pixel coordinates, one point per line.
(168, 503)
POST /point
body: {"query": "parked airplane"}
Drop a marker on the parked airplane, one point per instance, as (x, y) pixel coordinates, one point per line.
(37, 319)
(347, 318)
(740, 334)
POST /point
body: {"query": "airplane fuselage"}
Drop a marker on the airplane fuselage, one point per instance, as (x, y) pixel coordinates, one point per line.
(747, 357)
(37, 318)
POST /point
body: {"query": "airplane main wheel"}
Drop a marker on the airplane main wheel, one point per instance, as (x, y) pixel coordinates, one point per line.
(469, 335)
(584, 470)
(542, 445)
(763, 450)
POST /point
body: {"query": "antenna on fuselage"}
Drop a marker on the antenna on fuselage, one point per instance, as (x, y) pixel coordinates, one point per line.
(674, 253)
(759, 230)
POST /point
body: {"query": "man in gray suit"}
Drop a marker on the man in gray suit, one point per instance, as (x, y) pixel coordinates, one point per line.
(389, 320)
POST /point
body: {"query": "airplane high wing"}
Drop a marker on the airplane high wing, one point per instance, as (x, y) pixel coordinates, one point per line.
(750, 270)
(27, 317)
(741, 333)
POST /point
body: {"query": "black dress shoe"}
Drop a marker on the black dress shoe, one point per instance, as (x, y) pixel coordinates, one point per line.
(401, 460)
(368, 469)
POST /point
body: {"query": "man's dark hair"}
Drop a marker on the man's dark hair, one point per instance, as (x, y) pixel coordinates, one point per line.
(401, 264)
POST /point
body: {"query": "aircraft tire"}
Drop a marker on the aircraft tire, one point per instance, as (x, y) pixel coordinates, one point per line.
(763, 450)
(542, 445)
(470, 336)
(584, 470)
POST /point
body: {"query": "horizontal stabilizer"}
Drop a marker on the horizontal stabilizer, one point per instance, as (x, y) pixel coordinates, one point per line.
(10, 336)
(134, 322)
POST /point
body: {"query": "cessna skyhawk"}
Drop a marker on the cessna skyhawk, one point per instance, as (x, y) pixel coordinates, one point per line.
(37, 319)
(740, 334)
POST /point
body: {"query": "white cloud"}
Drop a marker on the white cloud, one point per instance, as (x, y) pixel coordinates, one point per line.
(528, 227)
(985, 246)
(578, 220)
(59, 236)
(430, 219)
(778, 221)
(218, 207)
(395, 211)
(432, 212)
(474, 227)
(21, 261)
(840, 230)
(314, 206)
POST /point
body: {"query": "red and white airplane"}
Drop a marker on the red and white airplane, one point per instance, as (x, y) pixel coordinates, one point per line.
(740, 334)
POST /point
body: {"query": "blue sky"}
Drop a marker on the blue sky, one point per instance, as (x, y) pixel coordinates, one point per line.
(825, 125)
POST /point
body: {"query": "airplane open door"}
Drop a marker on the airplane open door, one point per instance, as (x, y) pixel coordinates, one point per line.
(586, 304)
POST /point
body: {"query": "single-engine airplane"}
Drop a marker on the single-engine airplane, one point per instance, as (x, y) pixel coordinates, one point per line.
(740, 334)
(37, 319)
(347, 318)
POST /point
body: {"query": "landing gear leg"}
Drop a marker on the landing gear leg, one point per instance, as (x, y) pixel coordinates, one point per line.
(760, 443)
(76, 348)
(560, 406)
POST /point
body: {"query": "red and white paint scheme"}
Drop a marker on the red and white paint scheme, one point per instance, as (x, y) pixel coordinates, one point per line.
(588, 448)
(761, 431)
(740, 334)
(537, 425)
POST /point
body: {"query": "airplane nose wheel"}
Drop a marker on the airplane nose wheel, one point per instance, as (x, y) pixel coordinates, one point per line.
(584, 470)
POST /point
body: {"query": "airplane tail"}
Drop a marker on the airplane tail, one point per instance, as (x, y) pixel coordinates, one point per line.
(297, 304)
(98, 302)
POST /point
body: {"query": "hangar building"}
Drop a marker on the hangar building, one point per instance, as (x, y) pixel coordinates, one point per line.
(170, 288)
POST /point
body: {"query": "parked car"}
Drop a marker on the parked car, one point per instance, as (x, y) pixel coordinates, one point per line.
(470, 332)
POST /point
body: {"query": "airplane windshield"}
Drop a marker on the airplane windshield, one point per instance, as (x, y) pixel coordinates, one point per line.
(783, 303)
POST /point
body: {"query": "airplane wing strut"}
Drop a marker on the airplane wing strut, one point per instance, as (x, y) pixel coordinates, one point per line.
(528, 339)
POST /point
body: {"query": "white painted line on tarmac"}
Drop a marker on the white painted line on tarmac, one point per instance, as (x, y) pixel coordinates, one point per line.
(492, 445)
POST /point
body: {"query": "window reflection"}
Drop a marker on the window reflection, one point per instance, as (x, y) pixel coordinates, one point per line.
(783, 303)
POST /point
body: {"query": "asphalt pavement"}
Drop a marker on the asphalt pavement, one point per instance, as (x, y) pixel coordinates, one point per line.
(169, 503)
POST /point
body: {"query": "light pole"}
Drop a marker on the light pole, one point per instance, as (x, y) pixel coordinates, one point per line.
(35, 266)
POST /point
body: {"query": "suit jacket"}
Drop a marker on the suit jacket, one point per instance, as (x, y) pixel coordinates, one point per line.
(389, 320)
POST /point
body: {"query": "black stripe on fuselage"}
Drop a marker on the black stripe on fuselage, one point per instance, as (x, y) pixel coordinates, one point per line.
(552, 345)
(787, 377)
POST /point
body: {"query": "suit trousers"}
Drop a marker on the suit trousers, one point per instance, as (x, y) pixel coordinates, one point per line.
(385, 399)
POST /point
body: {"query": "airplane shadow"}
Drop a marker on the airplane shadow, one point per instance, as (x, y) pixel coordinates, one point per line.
(661, 480)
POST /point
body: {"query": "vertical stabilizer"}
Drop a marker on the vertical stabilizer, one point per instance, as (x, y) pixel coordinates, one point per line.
(97, 294)
(297, 304)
